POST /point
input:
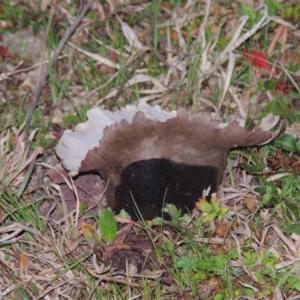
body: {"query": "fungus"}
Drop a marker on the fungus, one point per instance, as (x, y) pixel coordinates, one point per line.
(151, 157)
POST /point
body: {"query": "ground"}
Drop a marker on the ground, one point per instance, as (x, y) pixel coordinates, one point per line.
(234, 60)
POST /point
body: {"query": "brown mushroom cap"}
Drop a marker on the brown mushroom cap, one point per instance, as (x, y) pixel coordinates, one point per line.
(183, 144)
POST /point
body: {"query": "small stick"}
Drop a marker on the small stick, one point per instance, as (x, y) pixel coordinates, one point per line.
(56, 54)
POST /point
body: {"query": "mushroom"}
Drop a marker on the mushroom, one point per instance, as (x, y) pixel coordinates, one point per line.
(151, 157)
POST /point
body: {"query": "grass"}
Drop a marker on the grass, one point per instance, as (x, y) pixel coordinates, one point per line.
(242, 246)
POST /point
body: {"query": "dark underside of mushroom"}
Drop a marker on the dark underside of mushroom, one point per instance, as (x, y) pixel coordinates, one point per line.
(146, 186)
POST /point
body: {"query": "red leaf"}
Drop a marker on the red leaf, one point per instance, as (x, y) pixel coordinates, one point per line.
(4, 52)
(283, 85)
(19, 67)
(258, 59)
(19, 81)
(57, 134)
(114, 56)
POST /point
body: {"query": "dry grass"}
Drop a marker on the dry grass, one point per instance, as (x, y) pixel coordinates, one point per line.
(190, 54)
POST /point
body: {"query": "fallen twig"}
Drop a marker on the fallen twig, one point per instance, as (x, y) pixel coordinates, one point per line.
(56, 54)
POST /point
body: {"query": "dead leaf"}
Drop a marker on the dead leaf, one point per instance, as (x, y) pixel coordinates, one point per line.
(250, 204)
(130, 35)
(122, 234)
(220, 250)
(23, 262)
(222, 229)
(99, 11)
(87, 230)
(269, 122)
(214, 284)
(90, 188)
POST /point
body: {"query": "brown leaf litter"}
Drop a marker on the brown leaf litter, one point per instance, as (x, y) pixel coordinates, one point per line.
(17, 158)
(131, 247)
(279, 162)
(90, 189)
